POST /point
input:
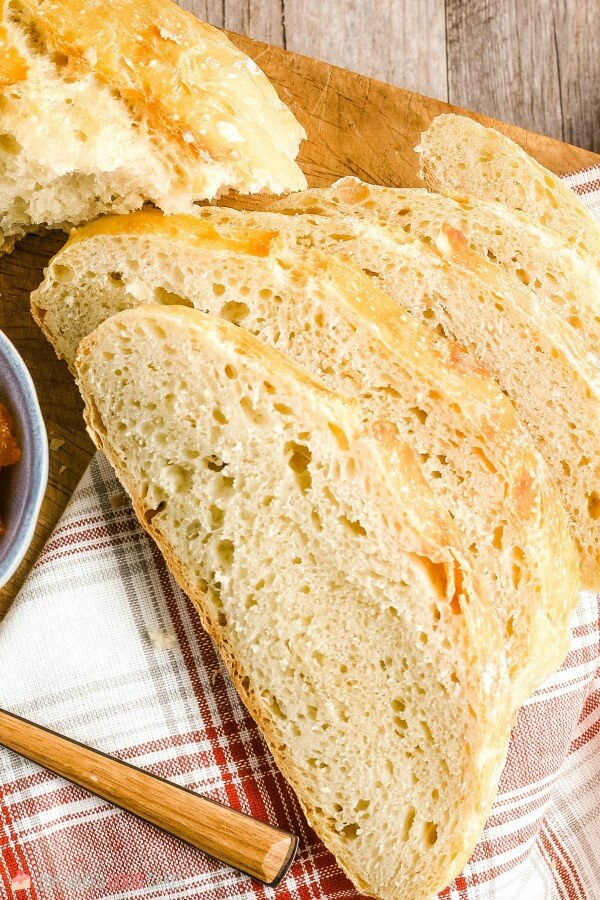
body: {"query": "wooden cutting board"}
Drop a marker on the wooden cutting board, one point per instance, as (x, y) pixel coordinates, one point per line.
(355, 125)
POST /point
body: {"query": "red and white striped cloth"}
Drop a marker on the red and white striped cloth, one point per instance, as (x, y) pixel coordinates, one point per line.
(103, 646)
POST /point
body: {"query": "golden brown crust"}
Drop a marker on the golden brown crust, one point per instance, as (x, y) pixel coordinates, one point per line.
(190, 229)
(183, 76)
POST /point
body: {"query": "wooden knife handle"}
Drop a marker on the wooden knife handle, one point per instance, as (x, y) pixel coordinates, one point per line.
(255, 848)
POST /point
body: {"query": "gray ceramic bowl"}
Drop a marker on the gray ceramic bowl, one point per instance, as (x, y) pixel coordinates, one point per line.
(22, 486)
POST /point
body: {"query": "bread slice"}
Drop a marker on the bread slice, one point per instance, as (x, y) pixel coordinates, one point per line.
(333, 320)
(461, 157)
(544, 367)
(140, 102)
(328, 576)
(565, 280)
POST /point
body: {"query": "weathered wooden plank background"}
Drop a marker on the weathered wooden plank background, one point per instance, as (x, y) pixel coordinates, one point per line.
(534, 63)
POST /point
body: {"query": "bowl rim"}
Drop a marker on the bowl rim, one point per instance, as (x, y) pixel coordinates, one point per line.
(22, 542)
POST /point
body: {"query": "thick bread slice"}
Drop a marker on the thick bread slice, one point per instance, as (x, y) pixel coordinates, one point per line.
(141, 101)
(332, 319)
(329, 577)
(565, 279)
(545, 368)
(461, 157)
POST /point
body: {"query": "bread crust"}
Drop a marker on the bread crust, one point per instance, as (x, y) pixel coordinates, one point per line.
(484, 631)
(183, 76)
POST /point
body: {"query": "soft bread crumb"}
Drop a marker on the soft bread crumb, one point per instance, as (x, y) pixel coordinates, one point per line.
(334, 322)
(330, 579)
(162, 639)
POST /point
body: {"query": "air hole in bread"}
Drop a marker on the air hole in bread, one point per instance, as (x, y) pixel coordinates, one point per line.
(409, 819)
(427, 731)
(177, 478)
(225, 553)
(479, 453)
(430, 834)
(149, 514)
(419, 414)
(594, 505)
(217, 516)
(498, 535)
(193, 531)
(219, 417)
(168, 298)
(355, 527)
(255, 415)
(390, 391)
(218, 290)
(340, 435)
(214, 463)
(234, 311)
(9, 144)
(276, 708)
(299, 459)
(350, 832)
(60, 60)
(230, 372)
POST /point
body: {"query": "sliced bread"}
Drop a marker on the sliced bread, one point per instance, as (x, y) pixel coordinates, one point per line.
(566, 280)
(461, 157)
(330, 579)
(544, 367)
(331, 318)
(141, 101)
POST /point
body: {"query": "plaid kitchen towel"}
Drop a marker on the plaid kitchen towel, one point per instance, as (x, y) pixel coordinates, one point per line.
(102, 645)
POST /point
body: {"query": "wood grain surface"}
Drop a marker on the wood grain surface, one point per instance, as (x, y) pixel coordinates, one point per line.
(534, 63)
(355, 126)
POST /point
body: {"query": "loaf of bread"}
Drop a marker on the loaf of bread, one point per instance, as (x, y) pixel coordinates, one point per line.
(108, 105)
(544, 366)
(462, 158)
(566, 280)
(329, 577)
(332, 319)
